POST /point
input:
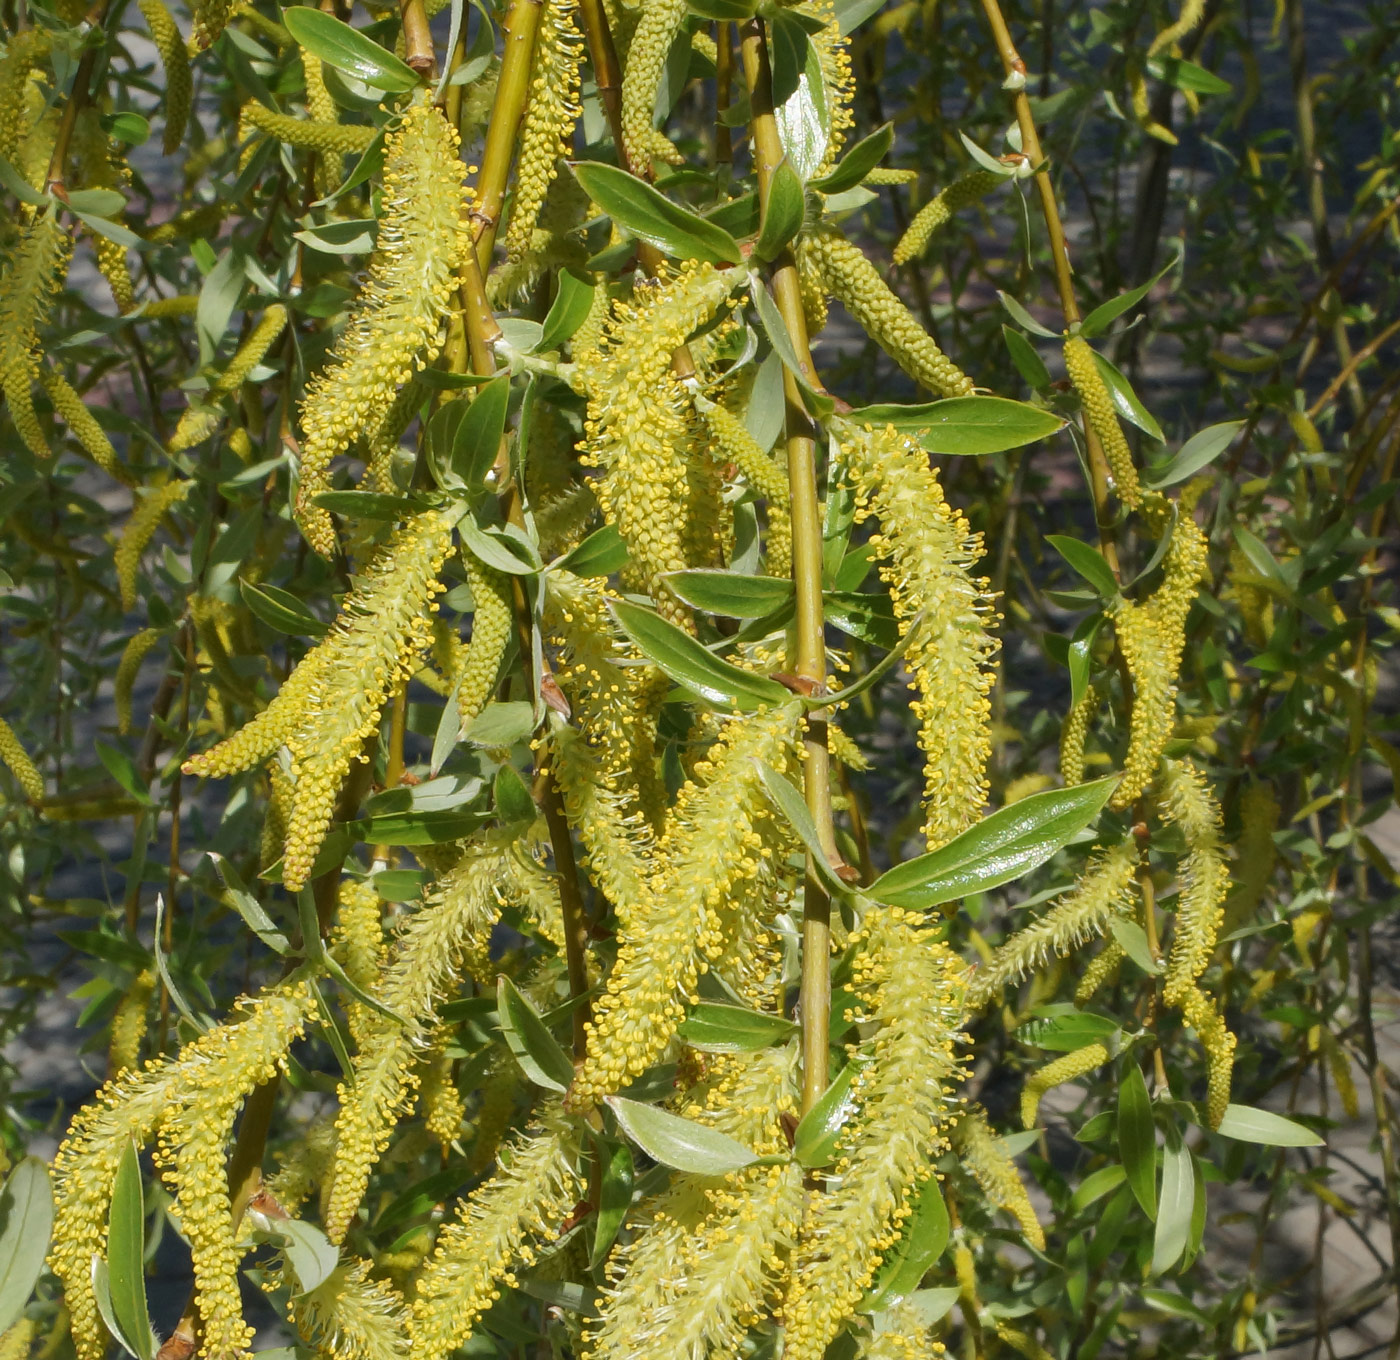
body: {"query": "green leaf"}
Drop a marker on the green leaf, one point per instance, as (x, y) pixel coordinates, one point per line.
(1137, 1138)
(787, 45)
(99, 202)
(851, 14)
(1088, 561)
(368, 505)
(1177, 1305)
(567, 312)
(113, 231)
(782, 217)
(1187, 75)
(126, 1253)
(804, 118)
(814, 1142)
(1106, 313)
(930, 1305)
(419, 828)
(20, 187)
(791, 804)
(236, 894)
(614, 1199)
(310, 1254)
(1028, 363)
(723, 11)
(1198, 452)
(819, 403)
(1024, 319)
(1080, 657)
(1247, 1124)
(341, 238)
(716, 1027)
(912, 1257)
(490, 548)
(641, 210)
(681, 1144)
(870, 618)
(1174, 1208)
(603, 552)
(730, 594)
(1065, 1033)
(477, 440)
(529, 1040)
(281, 610)
(501, 723)
(123, 769)
(692, 666)
(1096, 1185)
(966, 425)
(1132, 939)
(997, 850)
(26, 1220)
(512, 800)
(858, 162)
(347, 49)
(1126, 401)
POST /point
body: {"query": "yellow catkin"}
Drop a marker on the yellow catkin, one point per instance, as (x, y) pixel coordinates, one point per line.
(199, 422)
(17, 1340)
(1187, 802)
(884, 175)
(175, 62)
(22, 51)
(210, 19)
(217, 1072)
(1340, 1068)
(1104, 891)
(99, 166)
(475, 1257)
(439, 1099)
(395, 327)
(13, 754)
(850, 277)
(1022, 1342)
(350, 1316)
(491, 624)
(83, 424)
(927, 551)
(985, 1155)
(1074, 735)
(546, 134)
(901, 1333)
(639, 430)
(1101, 968)
(140, 528)
(1256, 855)
(331, 139)
(1219, 1044)
(323, 109)
(734, 444)
(29, 279)
(1192, 12)
(682, 920)
(301, 1165)
(911, 986)
(1083, 371)
(138, 647)
(844, 749)
(1152, 638)
(129, 1024)
(656, 29)
(183, 304)
(357, 944)
(833, 54)
(1069, 1067)
(1245, 586)
(941, 208)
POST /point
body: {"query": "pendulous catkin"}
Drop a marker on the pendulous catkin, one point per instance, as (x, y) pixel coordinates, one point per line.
(985, 1155)
(83, 424)
(967, 188)
(140, 529)
(1083, 371)
(175, 63)
(1066, 1068)
(13, 754)
(30, 277)
(641, 78)
(329, 138)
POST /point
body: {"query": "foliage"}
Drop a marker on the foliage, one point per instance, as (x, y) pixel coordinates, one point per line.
(604, 824)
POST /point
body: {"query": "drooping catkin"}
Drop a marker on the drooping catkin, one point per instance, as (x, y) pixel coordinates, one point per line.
(350, 1316)
(329, 138)
(1101, 969)
(1104, 891)
(734, 444)
(639, 426)
(1188, 803)
(140, 528)
(99, 166)
(13, 754)
(216, 1073)
(912, 987)
(83, 424)
(967, 188)
(197, 423)
(210, 19)
(927, 551)
(394, 328)
(491, 624)
(357, 944)
(547, 131)
(656, 29)
(30, 277)
(833, 55)
(138, 647)
(496, 1228)
(849, 276)
(439, 1100)
(1152, 638)
(681, 922)
(1083, 371)
(1191, 14)
(1256, 855)
(175, 62)
(1074, 735)
(1066, 1068)
(129, 1024)
(984, 1154)
(18, 1339)
(22, 51)
(1201, 1014)
(901, 1333)
(301, 1165)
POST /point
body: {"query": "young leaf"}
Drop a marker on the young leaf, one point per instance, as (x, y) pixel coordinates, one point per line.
(1126, 401)
(511, 797)
(1088, 561)
(614, 1199)
(1198, 452)
(477, 440)
(1132, 939)
(248, 907)
(681, 1144)
(1250, 1125)
(26, 1220)
(818, 402)
(1106, 313)
(966, 425)
(912, 1257)
(310, 1254)
(728, 593)
(1023, 318)
(1065, 1033)
(715, 1027)
(858, 162)
(1096, 1185)
(997, 850)
(689, 664)
(814, 1143)
(281, 610)
(1174, 1207)
(567, 312)
(649, 215)
(530, 1042)
(782, 217)
(790, 803)
(501, 724)
(1137, 1138)
(126, 1252)
(600, 554)
(347, 49)
(1028, 363)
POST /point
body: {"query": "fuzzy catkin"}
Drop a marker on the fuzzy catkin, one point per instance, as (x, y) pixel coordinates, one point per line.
(1187, 801)
(13, 754)
(1105, 890)
(138, 647)
(491, 624)
(1101, 969)
(1256, 855)
(735, 444)
(1069, 1067)
(22, 51)
(83, 424)
(29, 279)
(140, 529)
(352, 1317)
(197, 423)
(833, 54)
(656, 29)
(985, 1155)
(1219, 1044)
(495, 1229)
(175, 63)
(849, 276)
(1074, 735)
(1083, 371)
(329, 138)
(129, 1024)
(394, 329)
(1191, 14)
(927, 551)
(967, 188)
(901, 1333)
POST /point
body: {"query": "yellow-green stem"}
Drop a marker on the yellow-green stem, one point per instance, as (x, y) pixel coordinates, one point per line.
(417, 38)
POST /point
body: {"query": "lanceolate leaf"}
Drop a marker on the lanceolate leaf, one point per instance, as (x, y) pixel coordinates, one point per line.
(1137, 1138)
(568, 310)
(347, 49)
(782, 217)
(913, 1256)
(790, 803)
(715, 1027)
(530, 1042)
(1174, 1207)
(966, 425)
(858, 162)
(26, 1218)
(649, 215)
(126, 1249)
(614, 1199)
(681, 1144)
(1250, 1125)
(814, 1143)
(600, 554)
(997, 850)
(730, 594)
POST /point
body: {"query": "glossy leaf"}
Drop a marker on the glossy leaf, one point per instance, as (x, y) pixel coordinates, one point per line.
(723, 11)
(730, 594)
(310, 1254)
(1137, 1138)
(782, 216)
(819, 403)
(1126, 401)
(567, 312)
(347, 49)
(501, 724)
(26, 1220)
(966, 425)
(600, 554)
(791, 804)
(1088, 561)
(1066, 1033)
(649, 215)
(715, 1027)
(614, 1199)
(281, 610)
(1024, 319)
(1028, 363)
(804, 117)
(236, 893)
(1198, 452)
(1096, 1185)
(999, 849)
(1178, 1198)
(529, 1040)
(1106, 313)
(1247, 1124)
(858, 162)
(920, 1245)
(870, 618)
(814, 1144)
(681, 1144)
(477, 440)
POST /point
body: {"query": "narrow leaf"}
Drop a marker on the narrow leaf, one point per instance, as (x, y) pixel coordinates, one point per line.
(681, 1144)
(782, 217)
(1174, 1207)
(1137, 1139)
(716, 1027)
(966, 425)
(530, 1042)
(858, 162)
(1088, 561)
(1248, 1124)
(477, 440)
(912, 1257)
(1106, 313)
(648, 214)
(791, 804)
(26, 1220)
(814, 1143)
(126, 1250)
(347, 49)
(1198, 452)
(567, 312)
(600, 554)
(614, 1199)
